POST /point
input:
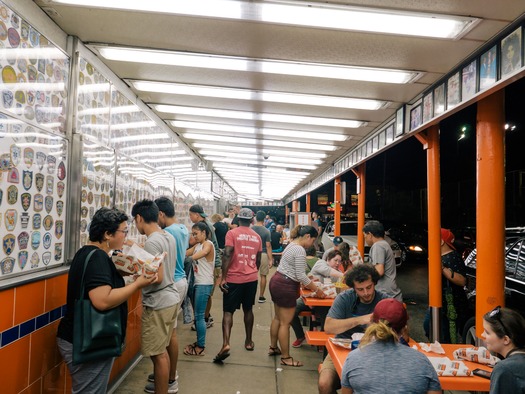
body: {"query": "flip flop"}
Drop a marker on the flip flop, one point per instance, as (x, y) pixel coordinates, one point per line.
(221, 356)
(250, 346)
(191, 350)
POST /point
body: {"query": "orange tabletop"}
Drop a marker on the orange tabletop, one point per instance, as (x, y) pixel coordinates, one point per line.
(466, 383)
(312, 301)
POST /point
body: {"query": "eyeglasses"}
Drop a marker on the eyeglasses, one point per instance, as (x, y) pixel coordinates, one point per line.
(496, 314)
(124, 231)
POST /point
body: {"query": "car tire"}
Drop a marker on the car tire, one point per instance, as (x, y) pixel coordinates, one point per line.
(469, 332)
(399, 261)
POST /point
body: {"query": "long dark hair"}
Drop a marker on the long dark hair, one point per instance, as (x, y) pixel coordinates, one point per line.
(202, 227)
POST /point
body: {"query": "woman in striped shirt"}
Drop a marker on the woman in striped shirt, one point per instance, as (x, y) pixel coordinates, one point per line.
(284, 288)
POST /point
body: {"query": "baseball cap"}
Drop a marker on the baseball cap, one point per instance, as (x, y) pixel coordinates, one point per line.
(338, 240)
(392, 311)
(448, 237)
(245, 213)
(198, 209)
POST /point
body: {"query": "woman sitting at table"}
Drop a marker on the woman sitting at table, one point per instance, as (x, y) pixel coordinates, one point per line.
(372, 367)
(323, 269)
(351, 256)
(284, 288)
(504, 333)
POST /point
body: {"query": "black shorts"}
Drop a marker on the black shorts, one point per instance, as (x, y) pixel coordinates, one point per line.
(239, 294)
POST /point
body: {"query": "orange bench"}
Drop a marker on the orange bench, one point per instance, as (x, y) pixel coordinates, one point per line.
(317, 338)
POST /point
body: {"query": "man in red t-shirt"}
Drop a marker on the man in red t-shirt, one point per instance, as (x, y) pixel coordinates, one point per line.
(240, 268)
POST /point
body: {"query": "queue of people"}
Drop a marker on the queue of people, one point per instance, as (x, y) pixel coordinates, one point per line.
(372, 305)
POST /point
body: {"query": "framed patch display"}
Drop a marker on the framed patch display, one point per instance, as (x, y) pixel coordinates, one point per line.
(400, 121)
(488, 68)
(389, 134)
(416, 117)
(382, 139)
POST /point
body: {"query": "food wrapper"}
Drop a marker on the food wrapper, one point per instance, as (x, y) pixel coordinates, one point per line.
(329, 290)
(447, 367)
(135, 260)
(432, 347)
(478, 355)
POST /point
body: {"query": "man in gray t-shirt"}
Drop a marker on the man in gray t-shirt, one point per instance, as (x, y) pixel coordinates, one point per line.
(160, 300)
(382, 257)
(350, 313)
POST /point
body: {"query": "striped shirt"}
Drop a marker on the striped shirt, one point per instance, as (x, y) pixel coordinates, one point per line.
(293, 264)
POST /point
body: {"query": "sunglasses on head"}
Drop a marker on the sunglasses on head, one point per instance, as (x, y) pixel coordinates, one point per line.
(496, 314)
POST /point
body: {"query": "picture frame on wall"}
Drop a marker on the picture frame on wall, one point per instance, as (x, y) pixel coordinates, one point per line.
(511, 52)
(453, 91)
(400, 121)
(389, 134)
(439, 100)
(488, 68)
(428, 107)
(382, 139)
(369, 148)
(375, 143)
(416, 116)
(468, 80)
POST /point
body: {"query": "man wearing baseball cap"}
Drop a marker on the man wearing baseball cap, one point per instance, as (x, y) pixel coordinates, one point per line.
(454, 311)
(379, 347)
(336, 241)
(240, 269)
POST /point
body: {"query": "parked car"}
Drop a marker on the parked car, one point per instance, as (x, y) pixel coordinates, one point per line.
(412, 240)
(514, 278)
(349, 233)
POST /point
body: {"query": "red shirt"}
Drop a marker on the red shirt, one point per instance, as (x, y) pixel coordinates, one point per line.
(246, 244)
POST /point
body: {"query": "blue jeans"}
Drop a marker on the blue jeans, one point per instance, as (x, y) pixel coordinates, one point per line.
(200, 297)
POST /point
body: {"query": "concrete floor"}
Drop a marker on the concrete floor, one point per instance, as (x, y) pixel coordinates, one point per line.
(255, 372)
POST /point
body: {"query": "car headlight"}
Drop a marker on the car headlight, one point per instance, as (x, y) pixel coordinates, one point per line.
(415, 248)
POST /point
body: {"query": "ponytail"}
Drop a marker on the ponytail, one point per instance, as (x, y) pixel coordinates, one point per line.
(380, 332)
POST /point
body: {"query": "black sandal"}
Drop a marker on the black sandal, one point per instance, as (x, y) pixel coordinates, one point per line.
(274, 351)
(293, 364)
(191, 350)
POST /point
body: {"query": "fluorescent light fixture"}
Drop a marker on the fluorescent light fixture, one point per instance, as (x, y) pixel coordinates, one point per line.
(245, 94)
(299, 134)
(148, 146)
(169, 152)
(276, 158)
(261, 162)
(219, 113)
(227, 149)
(298, 13)
(125, 109)
(274, 143)
(244, 168)
(140, 137)
(315, 70)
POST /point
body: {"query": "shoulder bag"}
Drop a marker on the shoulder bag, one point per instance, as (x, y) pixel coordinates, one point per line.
(97, 334)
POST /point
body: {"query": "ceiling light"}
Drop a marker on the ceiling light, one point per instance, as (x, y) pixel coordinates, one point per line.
(259, 131)
(279, 157)
(139, 137)
(219, 113)
(197, 60)
(326, 16)
(245, 94)
(261, 162)
(229, 148)
(236, 140)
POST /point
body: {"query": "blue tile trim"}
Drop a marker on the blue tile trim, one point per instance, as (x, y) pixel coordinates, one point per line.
(27, 327)
(10, 335)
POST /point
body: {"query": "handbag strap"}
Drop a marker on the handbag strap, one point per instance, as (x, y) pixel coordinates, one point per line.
(82, 287)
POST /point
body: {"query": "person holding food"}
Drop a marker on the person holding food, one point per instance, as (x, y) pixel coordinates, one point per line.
(203, 255)
(105, 287)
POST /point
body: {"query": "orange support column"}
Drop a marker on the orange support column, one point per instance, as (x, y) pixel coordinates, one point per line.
(286, 214)
(337, 206)
(295, 206)
(490, 209)
(434, 229)
(307, 202)
(360, 173)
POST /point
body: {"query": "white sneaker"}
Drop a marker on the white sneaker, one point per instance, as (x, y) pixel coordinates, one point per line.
(172, 388)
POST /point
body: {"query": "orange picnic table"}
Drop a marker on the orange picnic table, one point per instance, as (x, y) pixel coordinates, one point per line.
(312, 301)
(462, 383)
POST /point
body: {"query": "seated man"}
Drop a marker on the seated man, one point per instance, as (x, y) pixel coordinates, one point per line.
(350, 313)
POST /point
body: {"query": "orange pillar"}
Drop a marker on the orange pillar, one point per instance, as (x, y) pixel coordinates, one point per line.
(307, 202)
(360, 173)
(286, 214)
(490, 208)
(295, 206)
(434, 229)
(337, 206)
